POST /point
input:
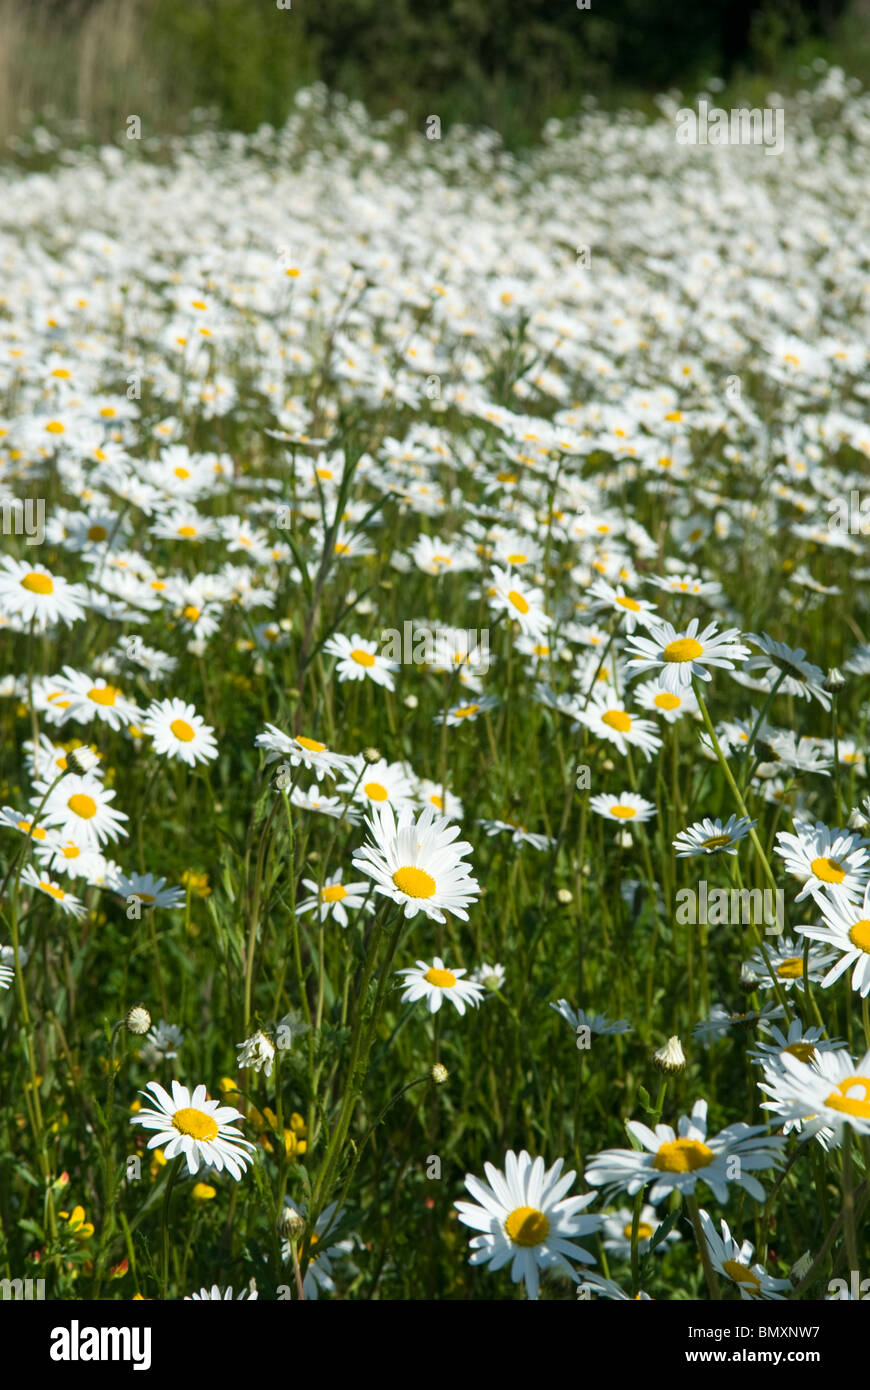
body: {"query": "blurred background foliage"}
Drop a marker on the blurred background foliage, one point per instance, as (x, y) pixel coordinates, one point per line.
(508, 64)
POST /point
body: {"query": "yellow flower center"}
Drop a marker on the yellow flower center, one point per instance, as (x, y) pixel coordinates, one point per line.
(444, 979)
(517, 559)
(465, 711)
(97, 533)
(375, 792)
(527, 1226)
(852, 1097)
(623, 812)
(37, 583)
(667, 701)
(828, 870)
(362, 658)
(103, 694)
(791, 969)
(181, 472)
(740, 1274)
(644, 1232)
(186, 531)
(684, 649)
(334, 894)
(53, 890)
(416, 883)
(82, 805)
(617, 719)
(182, 730)
(859, 935)
(682, 1156)
(804, 1051)
(191, 613)
(55, 427)
(715, 841)
(195, 1123)
(311, 745)
(631, 604)
(519, 603)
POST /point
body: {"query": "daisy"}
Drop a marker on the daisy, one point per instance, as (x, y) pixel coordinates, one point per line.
(607, 1288)
(11, 819)
(375, 784)
(222, 1295)
(617, 1227)
(596, 1023)
(607, 717)
(74, 906)
(526, 1219)
(150, 891)
(721, 1021)
(358, 660)
(734, 1262)
(417, 864)
(801, 676)
(163, 1041)
(334, 899)
(79, 807)
(508, 593)
(200, 1129)
(712, 837)
(518, 833)
(7, 970)
(668, 704)
(680, 656)
(32, 594)
(678, 1164)
(258, 1053)
(490, 976)
(435, 983)
(178, 731)
(821, 1096)
(443, 799)
(313, 799)
(787, 961)
(468, 712)
(831, 863)
(847, 931)
(625, 807)
(301, 751)
(94, 698)
(631, 610)
(800, 1042)
(322, 1251)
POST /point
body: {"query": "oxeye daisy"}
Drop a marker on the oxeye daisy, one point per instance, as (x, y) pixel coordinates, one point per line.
(359, 660)
(32, 594)
(518, 833)
(179, 732)
(831, 863)
(722, 1021)
(150, 891)
(607, 717)
(11, 819)
(299, 750)
(800, 1042)
(334, 899)
(417, 864)
(788, 668)
(596, 1023)
(668, 704)
(734, 1262)
(467, 711)
(617, 1227)
(623, 808)
(680, 656)
(631, 610)
(435, 982)
(443, 799)
(509, 593)
(80, 808)
(215, 1293)
(322, 1248)
(847, 932)
(163, 1041)
(526, 1220)
(374, 784)
(608, 1288)
(787, 963)
(678, 1160)
(712, 836)
(66, 901)
(820, 1096)
(94, 698)
(188, 1123)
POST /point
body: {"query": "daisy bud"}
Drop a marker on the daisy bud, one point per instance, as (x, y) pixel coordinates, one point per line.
(410, 702)
(138, 1020)
(835, 681)
(625, 839)
(372, 755)
(565, 896)
(857, 820)
(291, 1223)
(439, 1073)
(801, 1268)
(81, 760)
(671, 1058)
(748, 978)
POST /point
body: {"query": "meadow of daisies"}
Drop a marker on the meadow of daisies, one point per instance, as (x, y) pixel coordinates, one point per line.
(434, 820)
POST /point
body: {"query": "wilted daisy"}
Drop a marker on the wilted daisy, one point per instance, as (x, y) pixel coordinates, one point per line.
(820, 1096)
(596, 1023)
(526, 1219)
(257, 1053)
(200, 1129)
(33, 594)
(680, 656)
(66, 901)
(625, 807)
(179, 732)
(334, 899)
(847, 931)
(829, 862)
(734, 1262)
(709, 836)
(679, 1160)
(359, 660)
(417, 864)
(617, 1227)
(435, 983)
(80, 808)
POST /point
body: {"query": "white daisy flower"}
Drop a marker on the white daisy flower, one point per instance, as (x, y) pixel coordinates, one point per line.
(258, 1053)
(801, 678)
(163, 1041)
(722, 1021)
(607, 717)
(712, 836)
(734, 1262)
(821, 1096)
(417, 864)
(359, 660)
(617, 1227)
(221, 1295)
(678, 1161)
(800, 1042)
(625, 807)
(67, 901)
(200, 1129)
(608, 1288)
(509, 593)
(596, 1023)
(435, 982)
(847, 931)
(179, 732)
(94, 698)
(787, 960)
(490, 976)
(301, 751)
(374, 784)
(831, 863)
(526, 1220)
(79, 807)
(322, 1250)
(668, 704)
(334, 899)
(678, 656)
(632, 610)
(466, 713)
(33, 594)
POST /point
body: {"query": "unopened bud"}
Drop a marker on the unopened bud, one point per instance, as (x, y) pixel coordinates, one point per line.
(671, 1058)
(138, 1020)
(835, 681)
(372, 755)
(439, 1073)
(291, 1223)
(81, 760)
